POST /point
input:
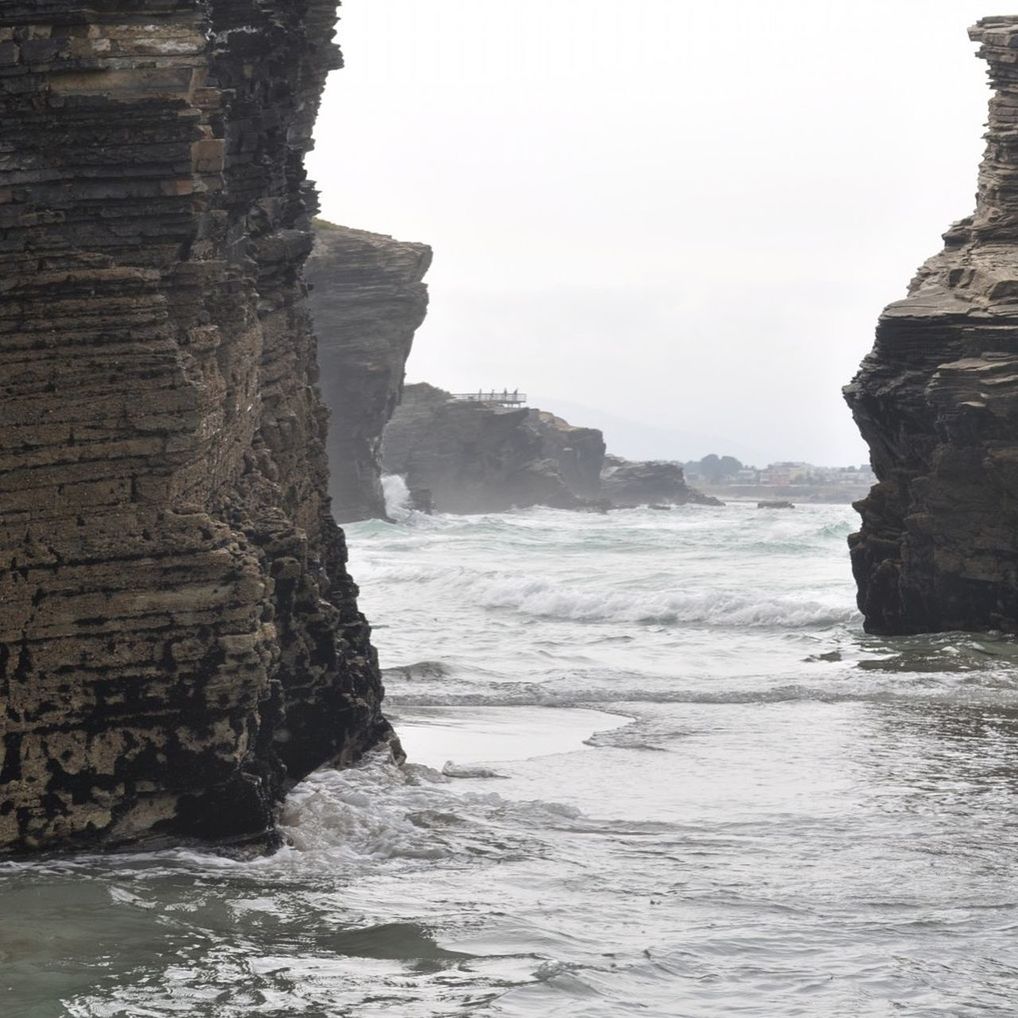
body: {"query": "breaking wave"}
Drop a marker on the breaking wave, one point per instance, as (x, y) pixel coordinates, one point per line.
(546, 598)
(397, 496)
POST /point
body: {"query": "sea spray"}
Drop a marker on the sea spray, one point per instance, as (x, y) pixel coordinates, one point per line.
(397, 496)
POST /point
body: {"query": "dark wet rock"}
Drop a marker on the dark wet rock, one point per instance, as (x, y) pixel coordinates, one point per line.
(479, 457)
(658, 482)
(180, 640)
(775, 504)
(937, 401)
(422, 501)
(829, 656)
(367, 300)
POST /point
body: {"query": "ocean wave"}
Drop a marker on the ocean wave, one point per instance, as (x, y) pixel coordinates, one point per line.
(351, 814)
(376, 816)
(418, 670)
(547, 598)
(380, 815)
(994, 689)
(396, 495)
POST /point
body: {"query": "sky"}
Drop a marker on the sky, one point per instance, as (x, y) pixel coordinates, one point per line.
(672, 219)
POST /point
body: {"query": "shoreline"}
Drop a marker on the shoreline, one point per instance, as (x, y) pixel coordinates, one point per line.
(472, 735)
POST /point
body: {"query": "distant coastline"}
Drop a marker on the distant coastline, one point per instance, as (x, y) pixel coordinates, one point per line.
(726, 478)
(793, 493)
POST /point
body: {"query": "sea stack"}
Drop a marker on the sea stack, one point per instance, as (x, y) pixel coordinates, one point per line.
(367, 300)
(180, 640)
(937, 401)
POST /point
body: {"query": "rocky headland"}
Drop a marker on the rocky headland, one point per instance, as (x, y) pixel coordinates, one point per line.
(367, 300)
(937, 401)
(477, 457)
(472, 456)
(180, 640)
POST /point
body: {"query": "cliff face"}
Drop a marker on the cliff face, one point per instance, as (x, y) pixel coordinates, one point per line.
(367, 300)
(476, 458)
(937, 401)
(179, 639)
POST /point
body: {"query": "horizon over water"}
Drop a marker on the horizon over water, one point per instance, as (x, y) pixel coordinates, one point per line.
(656, 768)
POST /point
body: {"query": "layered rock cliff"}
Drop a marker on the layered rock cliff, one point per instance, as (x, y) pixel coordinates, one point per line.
(476, 457)
(179, 637)
(937, 401)
(367, 300)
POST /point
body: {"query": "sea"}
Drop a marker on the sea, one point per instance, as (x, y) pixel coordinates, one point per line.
(655, 768)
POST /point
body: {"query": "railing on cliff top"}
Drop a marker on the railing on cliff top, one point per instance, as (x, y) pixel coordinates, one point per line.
(503, 398)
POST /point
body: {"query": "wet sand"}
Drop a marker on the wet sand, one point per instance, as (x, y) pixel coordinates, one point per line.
(468, 736)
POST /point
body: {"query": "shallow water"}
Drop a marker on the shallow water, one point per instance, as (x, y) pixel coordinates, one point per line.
(658, 770)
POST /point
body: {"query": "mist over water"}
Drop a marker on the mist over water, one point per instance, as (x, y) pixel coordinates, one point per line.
(656, 769)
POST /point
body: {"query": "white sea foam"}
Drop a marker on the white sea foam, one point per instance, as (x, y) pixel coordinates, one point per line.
(378, 815)
(546, 598)
(996, 689)
(363, 815)
(397, 496)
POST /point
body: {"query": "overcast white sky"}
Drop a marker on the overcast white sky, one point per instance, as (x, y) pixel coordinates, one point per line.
(684, 216)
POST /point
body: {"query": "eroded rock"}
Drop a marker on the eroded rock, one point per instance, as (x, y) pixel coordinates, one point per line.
(937, 401)
(179, 639)
(474, 456)
(478, 457)
(367, 301)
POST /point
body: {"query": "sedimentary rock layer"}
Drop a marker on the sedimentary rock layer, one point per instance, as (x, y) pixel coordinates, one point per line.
(367, 300)
(474, 457)
(179, 638)
(937, 401)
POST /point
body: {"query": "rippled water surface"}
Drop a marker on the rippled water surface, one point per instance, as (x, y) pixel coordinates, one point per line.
(657, 769)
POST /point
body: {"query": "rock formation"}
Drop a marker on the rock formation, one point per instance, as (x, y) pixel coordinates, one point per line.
(937, 401)
(367, 300)
(463, 456)
(180, 639)
(478, 457)
(628, 483)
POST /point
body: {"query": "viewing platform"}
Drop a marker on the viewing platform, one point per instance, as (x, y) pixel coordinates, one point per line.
(503, 398)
